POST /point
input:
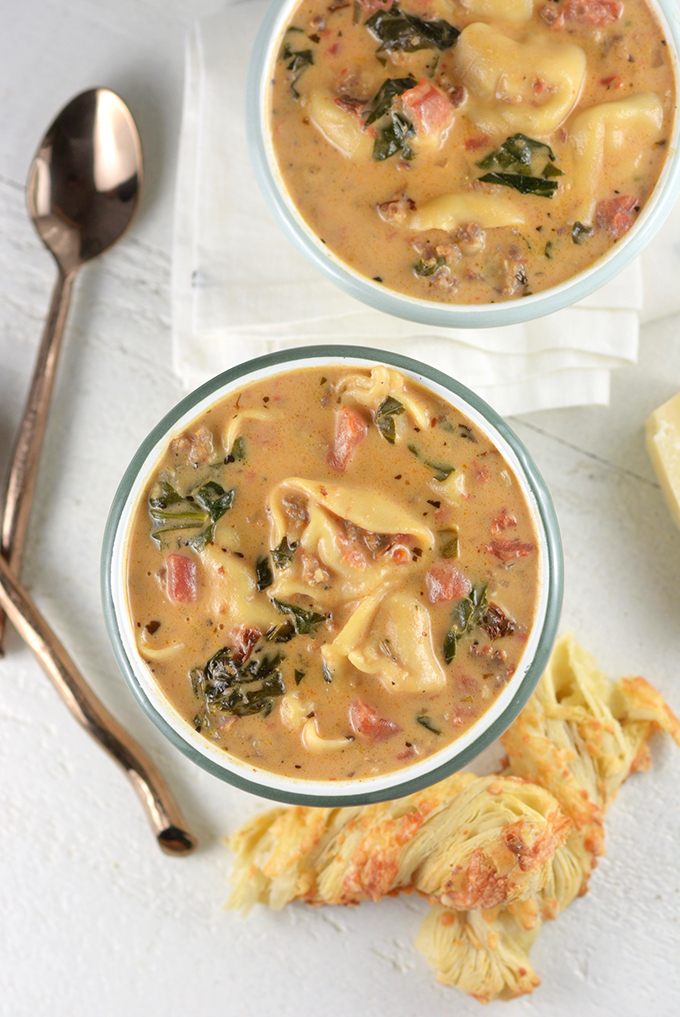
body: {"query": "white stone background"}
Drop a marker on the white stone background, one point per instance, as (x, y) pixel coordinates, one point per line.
(94, 919)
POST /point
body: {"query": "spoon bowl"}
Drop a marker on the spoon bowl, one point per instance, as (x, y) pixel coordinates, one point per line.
(84, 184)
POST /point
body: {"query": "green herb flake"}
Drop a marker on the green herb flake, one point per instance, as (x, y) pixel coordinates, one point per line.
(580, 233)
(299, 675)
(467, 614)
(263, 571)
(451, 544)
(428, 723)
(396, 30)
(305, 620)
(238, 450)
(384, 418)
(283, 554)
(428, 266)
(442, 471)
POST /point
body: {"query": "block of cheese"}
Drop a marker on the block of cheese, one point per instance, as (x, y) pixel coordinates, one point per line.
(663, 446)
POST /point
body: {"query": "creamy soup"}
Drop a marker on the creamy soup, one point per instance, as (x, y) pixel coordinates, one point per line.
(332, 573)
(471, 151)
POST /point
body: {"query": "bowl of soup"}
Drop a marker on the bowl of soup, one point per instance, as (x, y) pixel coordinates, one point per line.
(332, 576)
(467, 162)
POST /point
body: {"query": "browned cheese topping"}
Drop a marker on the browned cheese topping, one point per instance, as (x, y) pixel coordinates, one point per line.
(471, 151)
(332, 573)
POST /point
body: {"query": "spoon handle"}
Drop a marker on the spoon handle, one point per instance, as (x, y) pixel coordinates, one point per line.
(26, 453)
(161, 809)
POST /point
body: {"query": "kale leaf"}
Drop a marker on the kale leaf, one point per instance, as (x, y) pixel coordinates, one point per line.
(524, 184)
(384, 97)
(296, 62)
(467, 615)
(304, 619)
(516, 163)
(199, 510)
(263, 571)
(384, 418)
(428, 266)
(396, 30)
(283, 554)
(393, 138)
(580, 233)
(227, 686)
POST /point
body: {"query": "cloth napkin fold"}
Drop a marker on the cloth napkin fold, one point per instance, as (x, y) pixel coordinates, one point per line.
(241, 289)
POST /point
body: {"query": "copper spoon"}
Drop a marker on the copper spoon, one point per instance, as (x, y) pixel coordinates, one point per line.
(163, 813)
(82, 194)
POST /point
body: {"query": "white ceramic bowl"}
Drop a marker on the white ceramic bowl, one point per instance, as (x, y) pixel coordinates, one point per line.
(428, 312)
(291, 789)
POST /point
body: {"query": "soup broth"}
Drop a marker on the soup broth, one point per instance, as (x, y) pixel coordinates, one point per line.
(332, 573)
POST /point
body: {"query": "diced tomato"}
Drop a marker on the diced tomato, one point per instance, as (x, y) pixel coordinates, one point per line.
(352, 553)
(350, 431)
(613, 81)
(592, 12)
(446, 581)
(367, 722)
(371, 6)
(400, 554)
(480, 472)
(182, 578)
(503, 521)
(244, 641)
(428, 107)
(614, 215)
(506, 550)
(476, 141)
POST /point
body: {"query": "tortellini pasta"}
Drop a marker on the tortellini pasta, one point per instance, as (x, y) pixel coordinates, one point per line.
(371, 391)
(232, 590)
(235, 426)
(317, 516)
(389, 636)
(340, 128)
(516, 12)
(501, 75)
(449, 211)
(611, 139)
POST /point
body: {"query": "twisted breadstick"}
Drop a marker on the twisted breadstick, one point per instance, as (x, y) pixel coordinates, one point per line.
(579, 736)
(467, 842)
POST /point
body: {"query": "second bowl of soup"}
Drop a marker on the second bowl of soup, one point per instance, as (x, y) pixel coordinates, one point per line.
(465, 162)
(332, 579)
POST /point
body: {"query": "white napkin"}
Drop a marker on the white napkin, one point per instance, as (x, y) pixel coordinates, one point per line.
(241, 289)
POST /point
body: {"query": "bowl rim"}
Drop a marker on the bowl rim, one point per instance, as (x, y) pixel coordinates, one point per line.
(300, 791)
(427, 312)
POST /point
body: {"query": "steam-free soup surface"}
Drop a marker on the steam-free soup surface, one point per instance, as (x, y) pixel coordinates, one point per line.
(471, 151)
(332, 573)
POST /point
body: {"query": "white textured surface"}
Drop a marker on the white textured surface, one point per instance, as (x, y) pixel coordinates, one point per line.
(94, 919)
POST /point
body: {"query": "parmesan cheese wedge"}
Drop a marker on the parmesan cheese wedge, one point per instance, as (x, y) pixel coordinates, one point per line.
(663, 446)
